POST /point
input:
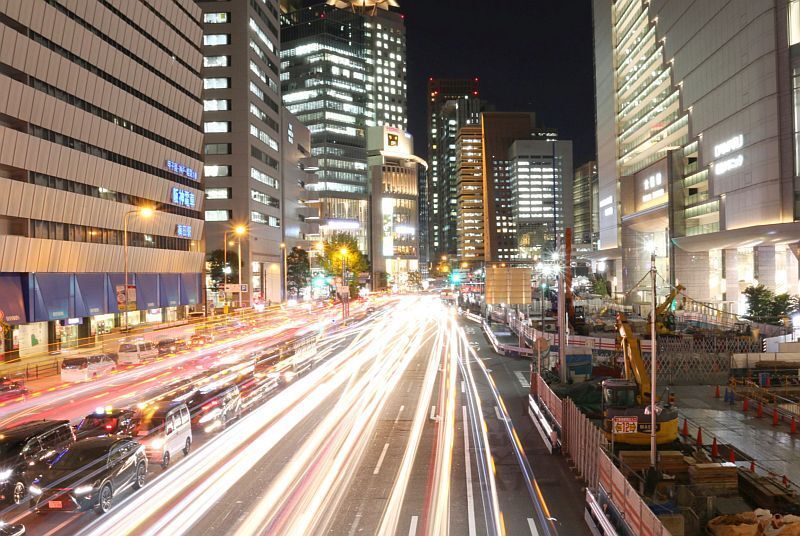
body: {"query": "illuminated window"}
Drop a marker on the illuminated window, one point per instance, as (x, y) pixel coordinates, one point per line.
(211, 40)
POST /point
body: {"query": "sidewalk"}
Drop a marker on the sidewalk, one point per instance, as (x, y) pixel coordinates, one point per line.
(771, 446)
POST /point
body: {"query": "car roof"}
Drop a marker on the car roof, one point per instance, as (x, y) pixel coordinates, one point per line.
(97, 442)
(30, 429)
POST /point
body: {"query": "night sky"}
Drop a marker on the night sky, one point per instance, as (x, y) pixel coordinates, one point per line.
(530, 55)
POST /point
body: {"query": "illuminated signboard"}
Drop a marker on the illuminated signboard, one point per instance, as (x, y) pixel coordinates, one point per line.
(392, 140)
(651, 185)
(181, 169)
(184, 198)
(183, 231)
(725, 148)
(605, 204)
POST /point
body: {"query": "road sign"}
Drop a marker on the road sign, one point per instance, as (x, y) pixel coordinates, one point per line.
(233, 288)
(625, 425)
(122, 298)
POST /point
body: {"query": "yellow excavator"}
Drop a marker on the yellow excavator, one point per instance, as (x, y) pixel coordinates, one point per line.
(629, 397)
(665, 321)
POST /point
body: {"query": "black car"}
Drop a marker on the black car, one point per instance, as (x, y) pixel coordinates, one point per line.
(108, 421)
(213, 407)
(7, 529)
(170, 345)
(24, 446)
(11, 389)
(89, 474)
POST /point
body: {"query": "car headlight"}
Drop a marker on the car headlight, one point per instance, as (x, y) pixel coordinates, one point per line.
(5, 475)
(35, 490)
(157, 443)
(83, 490)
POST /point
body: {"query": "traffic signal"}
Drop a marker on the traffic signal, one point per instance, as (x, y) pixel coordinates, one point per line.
(455, 278)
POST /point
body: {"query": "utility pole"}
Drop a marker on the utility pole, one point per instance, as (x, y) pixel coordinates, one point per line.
(653, 360)
(562, 313)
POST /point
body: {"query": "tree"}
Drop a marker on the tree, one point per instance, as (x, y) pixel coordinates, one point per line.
(343, 247)
(216, 263)
(763, 305)
(600, 286)
(415, 280)
(298, 270)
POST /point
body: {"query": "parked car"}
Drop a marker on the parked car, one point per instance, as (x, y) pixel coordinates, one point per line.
(22, 448)
(170, 345)
(11, 389)
(108, 421)
(81, 369)
(164, 431)
(89, 474)
(136, 351)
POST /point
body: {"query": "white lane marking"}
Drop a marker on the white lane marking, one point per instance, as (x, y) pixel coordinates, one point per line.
(532, 526)
(523, 381)
(398, 414)
(412, 530)
(356, 521)
(463, 387)
(380, 460)
(433, 413)
(408, 389)
(499, 415)
(468, 465)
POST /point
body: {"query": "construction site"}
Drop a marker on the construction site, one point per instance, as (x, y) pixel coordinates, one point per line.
(704, 443)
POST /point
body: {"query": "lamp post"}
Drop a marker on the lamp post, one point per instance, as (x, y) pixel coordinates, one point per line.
(653, 356)
(345, 295)
(144, 212)
(239, 231)
(285, 272)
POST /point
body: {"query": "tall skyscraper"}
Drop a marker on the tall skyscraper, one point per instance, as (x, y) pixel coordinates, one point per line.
(498, 131)
(95, 133)
(469, 194)
(452, 104)
(697, 152)
(342, 72)
(584, 211)
(242, 124)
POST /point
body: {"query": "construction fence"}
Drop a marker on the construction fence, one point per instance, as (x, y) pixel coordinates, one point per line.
(585, 446)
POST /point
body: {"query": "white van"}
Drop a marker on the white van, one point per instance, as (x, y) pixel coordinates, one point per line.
(81, 369)
(165, 431)
(136, 351)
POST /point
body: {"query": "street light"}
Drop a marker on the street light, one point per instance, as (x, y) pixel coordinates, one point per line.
(239, 231)
(145, 213)
(344, 253)
(285, 271)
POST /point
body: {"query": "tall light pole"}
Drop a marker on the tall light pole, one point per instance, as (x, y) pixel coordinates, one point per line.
(653, 360)
(239, 231)
(285, 272)
(144, 212)
(346, 294)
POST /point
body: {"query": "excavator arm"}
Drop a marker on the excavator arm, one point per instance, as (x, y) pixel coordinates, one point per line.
(632, 354)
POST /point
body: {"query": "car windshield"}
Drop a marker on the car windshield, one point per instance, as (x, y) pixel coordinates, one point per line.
(78, 458)
(98, 422)
(73, 363)
(150, 424)
(127, 347)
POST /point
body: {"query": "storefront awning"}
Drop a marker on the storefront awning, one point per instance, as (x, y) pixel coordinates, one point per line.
(190, 289)
(147, 291)
(170, 290)
(759, 235)
(12, 300)
(90, 295)
(53, 297)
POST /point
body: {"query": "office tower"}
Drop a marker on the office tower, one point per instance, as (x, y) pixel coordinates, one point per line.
(95, 132)
(697, 152)
(242, 124)
(452, 104)
(540, 177)
(469, 194)
(298, 175)
(498, 131)
(393, 167)
(342, 72)
(584, 211)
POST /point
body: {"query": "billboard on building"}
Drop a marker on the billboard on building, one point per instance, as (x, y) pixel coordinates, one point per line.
(511, 286)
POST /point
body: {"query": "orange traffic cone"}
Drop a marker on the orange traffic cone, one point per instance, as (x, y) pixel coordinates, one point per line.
(685, 430)
(774, 416)
(716, 392)
(699, 437)
(714, 448)
(732, 457)
(745, 404)
(760, 410)
(752, 466)
(793, 428)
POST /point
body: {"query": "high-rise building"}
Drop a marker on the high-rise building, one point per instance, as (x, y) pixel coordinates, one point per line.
(95, 128)
(498, 131)
(540, 177)
(697, 152)
(584, 211)
(452, 104)
(394, 247)
(469, 194)
(242, 124)
(343, 71)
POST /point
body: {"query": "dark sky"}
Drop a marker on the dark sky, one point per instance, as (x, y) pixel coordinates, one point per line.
(530, 55)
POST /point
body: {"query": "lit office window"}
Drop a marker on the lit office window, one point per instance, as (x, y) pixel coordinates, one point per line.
(211, 40)
(216, 18)
(218, 215)
(217, 126)
(218, 193)
(216, 105)
(216, 171)
(216, 61)
(216, 83)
